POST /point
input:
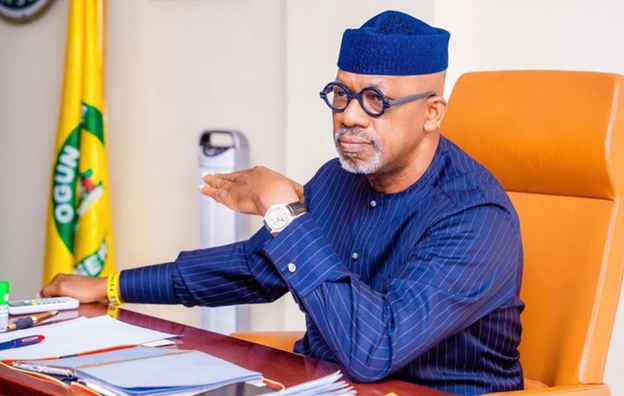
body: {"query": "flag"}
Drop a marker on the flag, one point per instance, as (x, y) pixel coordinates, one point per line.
(79, 227)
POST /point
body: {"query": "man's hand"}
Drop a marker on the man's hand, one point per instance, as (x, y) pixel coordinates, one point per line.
(251, 191)
(83, 288)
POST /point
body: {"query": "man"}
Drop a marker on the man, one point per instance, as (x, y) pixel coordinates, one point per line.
(406, 257)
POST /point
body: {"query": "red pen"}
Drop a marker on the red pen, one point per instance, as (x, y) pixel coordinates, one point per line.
(21, 342)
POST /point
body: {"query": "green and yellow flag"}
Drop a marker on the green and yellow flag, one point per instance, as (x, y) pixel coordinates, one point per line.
(79, 230)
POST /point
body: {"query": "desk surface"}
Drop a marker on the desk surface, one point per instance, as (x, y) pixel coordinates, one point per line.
(287, 368)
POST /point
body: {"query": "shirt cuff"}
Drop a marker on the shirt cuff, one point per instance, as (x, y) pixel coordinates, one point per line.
(148, 285)
(304, 257)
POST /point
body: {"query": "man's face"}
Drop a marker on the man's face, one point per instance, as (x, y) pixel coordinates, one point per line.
(385, 144)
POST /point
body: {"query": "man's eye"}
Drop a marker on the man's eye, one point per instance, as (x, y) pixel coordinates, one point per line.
(340, 93)
(374, 97)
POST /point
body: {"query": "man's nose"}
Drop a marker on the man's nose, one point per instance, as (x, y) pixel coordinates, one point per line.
(354, 115)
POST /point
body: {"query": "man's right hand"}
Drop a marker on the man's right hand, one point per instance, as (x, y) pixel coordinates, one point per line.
(83, 288)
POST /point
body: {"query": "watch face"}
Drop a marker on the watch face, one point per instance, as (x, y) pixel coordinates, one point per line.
(277, 218)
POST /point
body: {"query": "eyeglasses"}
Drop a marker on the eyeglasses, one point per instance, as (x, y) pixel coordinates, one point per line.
(371, 99)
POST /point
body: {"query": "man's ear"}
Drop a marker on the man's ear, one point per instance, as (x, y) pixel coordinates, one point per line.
(436, 109)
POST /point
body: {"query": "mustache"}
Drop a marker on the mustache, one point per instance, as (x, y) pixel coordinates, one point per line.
(358, 132)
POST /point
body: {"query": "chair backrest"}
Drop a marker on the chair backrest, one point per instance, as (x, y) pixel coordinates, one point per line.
(555, 141)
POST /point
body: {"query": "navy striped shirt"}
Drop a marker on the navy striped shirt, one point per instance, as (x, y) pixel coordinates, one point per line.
(421, 285)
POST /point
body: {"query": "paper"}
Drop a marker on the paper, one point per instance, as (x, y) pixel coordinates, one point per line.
(159, 343)
(326, 386)
(154, 371)
(79, 336)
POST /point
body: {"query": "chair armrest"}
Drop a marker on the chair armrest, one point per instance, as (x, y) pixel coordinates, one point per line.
(284, 340)
(572, 390)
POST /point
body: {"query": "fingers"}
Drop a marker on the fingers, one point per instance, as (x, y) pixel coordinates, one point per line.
(251, 191)
(82, 288)
(216, 186)
(215, 178)
(53, 288)
(232, 176)
(216, 181)
(233, 202)
(299, 190)
(47, 291)
(215, 193)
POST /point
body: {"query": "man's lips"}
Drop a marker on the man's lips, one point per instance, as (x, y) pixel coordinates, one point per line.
(352, 144)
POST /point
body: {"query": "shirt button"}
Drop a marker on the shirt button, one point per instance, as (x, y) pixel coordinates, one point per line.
(292, 267)
(354, 256)
(373, 203)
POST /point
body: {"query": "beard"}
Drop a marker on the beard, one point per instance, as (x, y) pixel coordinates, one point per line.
(350, 161)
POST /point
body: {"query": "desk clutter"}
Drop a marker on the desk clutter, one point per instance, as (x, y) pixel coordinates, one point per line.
(141, 371)
(107, 356)
(79, 336)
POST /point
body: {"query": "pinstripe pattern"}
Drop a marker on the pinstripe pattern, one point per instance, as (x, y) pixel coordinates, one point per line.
(422, 284)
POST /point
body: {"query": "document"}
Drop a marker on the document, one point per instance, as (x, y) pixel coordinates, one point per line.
(139, 370)
(79, 336)
(326, 386)
(142, 370)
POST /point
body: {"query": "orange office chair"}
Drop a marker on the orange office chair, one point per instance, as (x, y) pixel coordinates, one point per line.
(555, 141)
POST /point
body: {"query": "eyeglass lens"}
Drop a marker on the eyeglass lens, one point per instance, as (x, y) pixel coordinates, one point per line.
(372, 102)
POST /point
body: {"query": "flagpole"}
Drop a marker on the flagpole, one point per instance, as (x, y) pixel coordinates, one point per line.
(61, 218)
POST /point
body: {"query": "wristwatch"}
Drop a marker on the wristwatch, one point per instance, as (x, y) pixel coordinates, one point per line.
(280, 216)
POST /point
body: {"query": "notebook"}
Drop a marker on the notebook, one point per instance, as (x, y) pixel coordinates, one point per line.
(142, 370)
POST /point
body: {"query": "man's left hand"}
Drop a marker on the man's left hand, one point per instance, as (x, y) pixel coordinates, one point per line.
(251, 191)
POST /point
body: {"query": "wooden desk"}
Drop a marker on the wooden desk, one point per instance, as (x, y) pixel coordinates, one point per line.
(287, 368)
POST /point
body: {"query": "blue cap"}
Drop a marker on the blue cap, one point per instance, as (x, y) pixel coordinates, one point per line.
(394, 43)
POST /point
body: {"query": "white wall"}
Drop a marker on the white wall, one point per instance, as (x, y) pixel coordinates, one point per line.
(173, 69)
(31, 64)
(532, 34)
(176, 68)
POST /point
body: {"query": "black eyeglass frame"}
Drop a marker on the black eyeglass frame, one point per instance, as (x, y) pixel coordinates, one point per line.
(360, 98)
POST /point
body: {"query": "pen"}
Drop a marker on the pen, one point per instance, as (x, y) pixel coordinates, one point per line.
(21, 342)
(28, 321)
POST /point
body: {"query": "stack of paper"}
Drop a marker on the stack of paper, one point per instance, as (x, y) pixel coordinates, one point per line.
(326, 386)
(79, 336)
(148, 371)
(140, 370)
